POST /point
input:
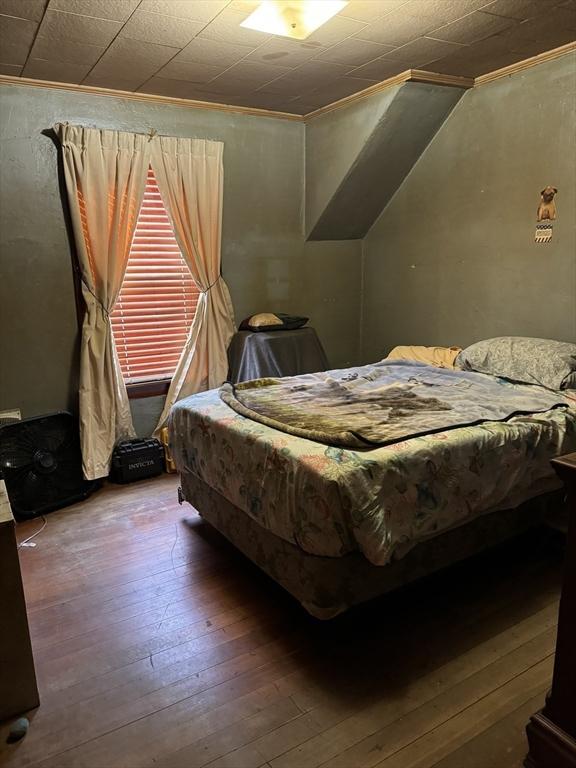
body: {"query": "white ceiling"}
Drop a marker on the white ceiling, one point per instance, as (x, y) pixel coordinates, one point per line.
(196, 49)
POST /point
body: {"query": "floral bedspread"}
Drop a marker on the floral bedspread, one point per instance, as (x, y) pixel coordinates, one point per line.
(331, 501)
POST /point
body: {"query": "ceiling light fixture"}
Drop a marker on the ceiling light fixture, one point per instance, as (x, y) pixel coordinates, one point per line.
(292, 18)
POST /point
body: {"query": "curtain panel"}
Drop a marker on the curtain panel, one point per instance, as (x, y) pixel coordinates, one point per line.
(189, 173)
(105, 173)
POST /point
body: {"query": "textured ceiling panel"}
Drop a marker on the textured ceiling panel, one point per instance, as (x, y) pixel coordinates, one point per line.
(380, 69)
(212, 52)
(60, 26)
(284, 52)
(13, 70)
(419, 52)
(66, 51)
(130, 60)
(115, 82)
(163, 30)
(244, 78)
(354, 52)
(16, 38)
(344, 86)
(335, 30)
(117, 10)
(518, 9)
(62, 72)
(197, 10)
(31, 9)
(398, 28)
(444, 11)
(472, 28)
(226, 29)
(191, 71)
(309, 77)
(196, 49)
(368, 10)
(180, 89)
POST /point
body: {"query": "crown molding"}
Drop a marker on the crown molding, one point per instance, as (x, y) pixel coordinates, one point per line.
(148, 97)
(410, 75)
(520, 66)
(436, 78)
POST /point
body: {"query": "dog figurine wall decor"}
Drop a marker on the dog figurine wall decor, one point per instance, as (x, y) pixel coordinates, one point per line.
(547, 207)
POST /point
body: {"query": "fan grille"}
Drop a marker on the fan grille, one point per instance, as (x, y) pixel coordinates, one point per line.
(41, 464)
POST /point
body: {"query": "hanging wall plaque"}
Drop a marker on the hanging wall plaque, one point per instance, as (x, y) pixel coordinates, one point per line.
(545, 215)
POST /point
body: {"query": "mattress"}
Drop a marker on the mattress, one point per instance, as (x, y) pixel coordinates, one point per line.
(381, 502)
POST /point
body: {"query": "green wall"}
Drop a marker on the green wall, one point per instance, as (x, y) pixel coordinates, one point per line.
(266, 262)
(452, 258)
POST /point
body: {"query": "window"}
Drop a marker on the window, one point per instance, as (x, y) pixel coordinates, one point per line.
(158, 298)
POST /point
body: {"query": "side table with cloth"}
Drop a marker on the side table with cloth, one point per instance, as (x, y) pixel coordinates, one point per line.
(254, 355)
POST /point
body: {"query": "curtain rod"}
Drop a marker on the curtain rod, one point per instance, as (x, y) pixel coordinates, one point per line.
(151, 133)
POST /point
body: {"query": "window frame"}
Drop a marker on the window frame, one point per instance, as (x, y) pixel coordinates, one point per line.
(152, 388)
(149, 387)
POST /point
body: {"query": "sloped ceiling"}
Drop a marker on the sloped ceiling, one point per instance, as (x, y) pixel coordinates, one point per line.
(357, 157)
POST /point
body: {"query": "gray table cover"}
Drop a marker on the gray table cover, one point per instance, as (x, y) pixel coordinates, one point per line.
(254, 355)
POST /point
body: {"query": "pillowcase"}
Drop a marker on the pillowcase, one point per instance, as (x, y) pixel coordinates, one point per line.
(441, 357)
(261, 320)
(266, 321)
(549, 363)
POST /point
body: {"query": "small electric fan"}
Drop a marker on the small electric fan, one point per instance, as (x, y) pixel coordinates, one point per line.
(41, 464)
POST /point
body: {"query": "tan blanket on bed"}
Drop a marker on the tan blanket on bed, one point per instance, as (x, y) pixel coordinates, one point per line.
(441, 357)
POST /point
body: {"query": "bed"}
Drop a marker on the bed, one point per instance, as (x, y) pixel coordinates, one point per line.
(336, 525)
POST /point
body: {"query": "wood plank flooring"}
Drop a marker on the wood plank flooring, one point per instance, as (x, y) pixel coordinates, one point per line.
(157, 644)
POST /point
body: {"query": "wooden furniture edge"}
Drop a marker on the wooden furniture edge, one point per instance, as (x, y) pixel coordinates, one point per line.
(565, 467)
(409, 75)
(550, 746)
(552, 731)
(18, 687)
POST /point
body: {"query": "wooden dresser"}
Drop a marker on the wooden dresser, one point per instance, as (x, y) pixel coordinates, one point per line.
(552, 732)
(18, 691)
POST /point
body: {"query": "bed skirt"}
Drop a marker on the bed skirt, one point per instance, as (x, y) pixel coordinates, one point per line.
(328, 586)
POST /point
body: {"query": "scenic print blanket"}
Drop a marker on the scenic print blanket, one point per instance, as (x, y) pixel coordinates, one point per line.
(383, 403)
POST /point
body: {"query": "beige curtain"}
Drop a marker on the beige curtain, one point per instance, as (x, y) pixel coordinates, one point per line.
(105, 174)
(189, 173)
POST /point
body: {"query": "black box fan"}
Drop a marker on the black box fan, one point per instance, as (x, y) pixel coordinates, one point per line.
(41, 464)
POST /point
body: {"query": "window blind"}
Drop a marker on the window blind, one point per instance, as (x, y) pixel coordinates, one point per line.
(158, 298)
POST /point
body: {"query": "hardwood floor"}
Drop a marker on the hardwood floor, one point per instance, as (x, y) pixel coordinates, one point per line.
(157, 644)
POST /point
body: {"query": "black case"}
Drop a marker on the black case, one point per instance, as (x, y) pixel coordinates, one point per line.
(136, 460)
